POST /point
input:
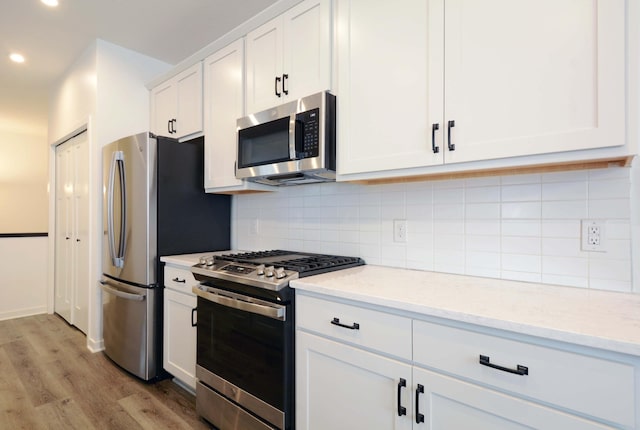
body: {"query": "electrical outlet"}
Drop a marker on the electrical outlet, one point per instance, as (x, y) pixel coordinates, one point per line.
(593, 235)
(400, 230)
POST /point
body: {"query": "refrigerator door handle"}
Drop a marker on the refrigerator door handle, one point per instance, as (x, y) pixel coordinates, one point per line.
(110, 233)
(128, 296)
(119, 156)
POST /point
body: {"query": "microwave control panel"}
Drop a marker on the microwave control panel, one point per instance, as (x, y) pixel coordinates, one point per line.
(308, 134)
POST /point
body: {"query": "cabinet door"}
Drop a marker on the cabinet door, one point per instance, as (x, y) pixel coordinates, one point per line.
(307, 49)
(339, 387)
(189, 102)
(179, 353)
(223, 106)
(163, 108)
(390, 84)
(448, 403)
(519, 80)
(264, 66)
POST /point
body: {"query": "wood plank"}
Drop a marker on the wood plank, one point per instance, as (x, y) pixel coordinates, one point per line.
(150, 413)
(16, 410)
(9, 332)
(40, 385)
(64, 415)
(49, 379)
(180, 401)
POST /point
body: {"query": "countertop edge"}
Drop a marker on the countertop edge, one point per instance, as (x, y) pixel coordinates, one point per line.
(518, 328)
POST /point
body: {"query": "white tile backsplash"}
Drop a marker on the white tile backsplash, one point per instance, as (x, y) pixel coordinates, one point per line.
(520, 227)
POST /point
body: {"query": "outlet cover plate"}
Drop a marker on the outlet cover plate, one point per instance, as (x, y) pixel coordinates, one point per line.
(592, 233)
(400, 230)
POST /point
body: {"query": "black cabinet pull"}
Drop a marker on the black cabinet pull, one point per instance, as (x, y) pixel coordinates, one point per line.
(450, 125)
(278, 79)
(284, 81)
(401, 409)
(176, 279)
(419, 416)
(77, 240)
(354, 326)
(519, 370)
(193, 311)
(171, 126)
(435, 148)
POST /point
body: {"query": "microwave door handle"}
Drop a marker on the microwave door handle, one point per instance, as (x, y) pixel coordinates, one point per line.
(293, 135)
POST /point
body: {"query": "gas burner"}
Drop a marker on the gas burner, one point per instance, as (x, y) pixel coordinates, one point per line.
(272, 269)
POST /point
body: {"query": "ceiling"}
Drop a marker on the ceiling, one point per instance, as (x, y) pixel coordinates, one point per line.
(52, 38)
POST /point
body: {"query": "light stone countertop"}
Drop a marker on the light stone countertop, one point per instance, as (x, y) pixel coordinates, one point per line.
(188, 260)
(593, 318)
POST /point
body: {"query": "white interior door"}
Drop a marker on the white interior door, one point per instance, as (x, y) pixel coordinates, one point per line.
(72, 231)
(62, 302)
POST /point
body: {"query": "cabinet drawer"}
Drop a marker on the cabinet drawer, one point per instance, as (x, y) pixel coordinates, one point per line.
(179, 279)
(376, 330)
(598, 387)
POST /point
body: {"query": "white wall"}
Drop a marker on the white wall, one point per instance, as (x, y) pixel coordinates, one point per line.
(23, 285)
(23, 182)
(104, 90)
(523, 227)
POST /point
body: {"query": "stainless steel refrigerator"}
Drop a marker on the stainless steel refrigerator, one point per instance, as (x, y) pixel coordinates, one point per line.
(154, 204)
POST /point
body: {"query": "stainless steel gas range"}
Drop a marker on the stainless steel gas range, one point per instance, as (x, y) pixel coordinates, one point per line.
(246, 333)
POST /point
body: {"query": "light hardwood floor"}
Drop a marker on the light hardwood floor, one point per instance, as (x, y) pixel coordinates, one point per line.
(50, 380)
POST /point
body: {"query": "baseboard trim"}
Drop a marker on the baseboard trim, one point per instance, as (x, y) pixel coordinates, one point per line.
(95, 345)
(26, 312)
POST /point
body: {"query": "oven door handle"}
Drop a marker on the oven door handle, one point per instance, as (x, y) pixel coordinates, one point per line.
(241, 302)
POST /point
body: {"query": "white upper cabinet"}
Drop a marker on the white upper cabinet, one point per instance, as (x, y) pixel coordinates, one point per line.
(176, 105)
(223, 105)
(290, 56)
(452, 81)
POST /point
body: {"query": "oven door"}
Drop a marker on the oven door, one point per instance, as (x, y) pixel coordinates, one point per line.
(245, 351)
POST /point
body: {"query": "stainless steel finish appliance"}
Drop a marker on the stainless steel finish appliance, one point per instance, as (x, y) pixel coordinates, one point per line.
(246, 354)
(291, 144)
(154, 204)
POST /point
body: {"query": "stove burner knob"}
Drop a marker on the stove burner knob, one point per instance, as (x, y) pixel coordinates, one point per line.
(280, 273)
(268, 271)
(260, 269)
(210, 261)
(203, 261)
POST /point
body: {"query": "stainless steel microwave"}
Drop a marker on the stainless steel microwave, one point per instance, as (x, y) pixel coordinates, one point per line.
(291, 144)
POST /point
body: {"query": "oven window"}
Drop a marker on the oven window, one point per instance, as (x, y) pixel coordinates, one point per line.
(245, 349)
(264, 144)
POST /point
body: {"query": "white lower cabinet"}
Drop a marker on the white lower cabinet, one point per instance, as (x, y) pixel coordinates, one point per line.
(352, 372)
(179, 348)
(449, 403)
(340, 387)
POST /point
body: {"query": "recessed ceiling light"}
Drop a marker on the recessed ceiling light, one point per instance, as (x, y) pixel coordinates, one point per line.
(51, 3)
(16, 58)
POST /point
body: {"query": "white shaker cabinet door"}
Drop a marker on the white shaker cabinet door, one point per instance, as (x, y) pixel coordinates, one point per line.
(447, 403)
(189, 101)
(307, 49)
(533, 77)
(390, 84)
(289, 57)
(339, 387)
(179, 350)
(264, 66)
(223, 86)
